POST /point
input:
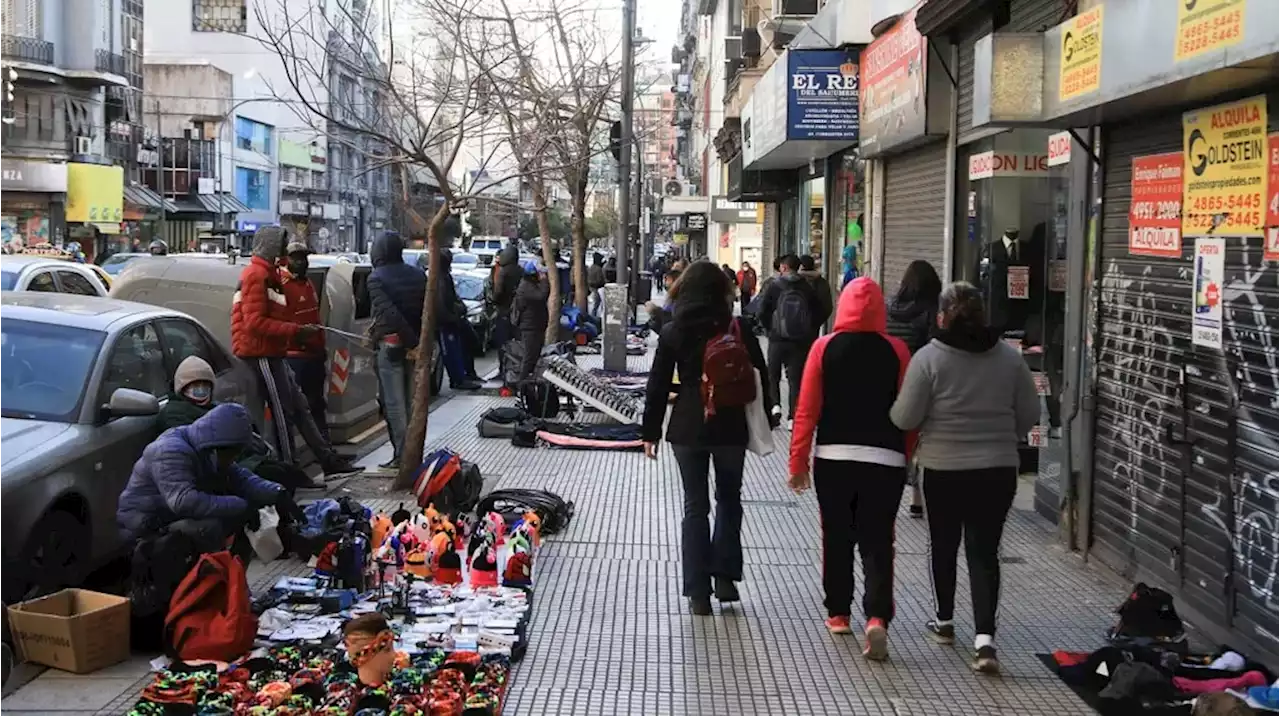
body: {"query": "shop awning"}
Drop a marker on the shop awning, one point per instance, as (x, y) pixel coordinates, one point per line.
(210, 204)
(142, 197)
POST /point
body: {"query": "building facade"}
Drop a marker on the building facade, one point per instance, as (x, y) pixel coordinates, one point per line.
(71, 126)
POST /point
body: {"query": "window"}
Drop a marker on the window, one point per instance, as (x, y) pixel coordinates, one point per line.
(22, 18)
(317, 180)
(44, 368)
(253, 188)
(73, 282)
(219, 15)
(42, 281)
(183, 339)
(253, 136)
(136, 362)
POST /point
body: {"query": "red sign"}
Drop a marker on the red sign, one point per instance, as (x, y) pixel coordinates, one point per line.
(988, 164)
(1020, 282)
(1271, 250)
(1155, 207)
(1059, 148)
(892, 89)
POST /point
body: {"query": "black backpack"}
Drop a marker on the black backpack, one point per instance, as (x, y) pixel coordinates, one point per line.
(540, 399)
(793, 316)
(1147, 613)
(500, 422)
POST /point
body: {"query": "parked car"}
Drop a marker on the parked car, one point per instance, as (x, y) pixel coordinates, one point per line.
(50, 275)
(83, 379)
(480, 311)
(465, 261)
(116, 262)
(486, 248)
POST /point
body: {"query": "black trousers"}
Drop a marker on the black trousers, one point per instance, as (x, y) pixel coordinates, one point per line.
(532, 342)
(859, 504)
(289, 409)
(310, 375)
(975, 502)
(710, 552)
(789, 356)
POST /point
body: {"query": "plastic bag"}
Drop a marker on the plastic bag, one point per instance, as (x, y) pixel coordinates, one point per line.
(759, 434)
(266, 539)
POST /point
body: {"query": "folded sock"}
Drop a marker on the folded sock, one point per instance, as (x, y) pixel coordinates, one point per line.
(982, 640)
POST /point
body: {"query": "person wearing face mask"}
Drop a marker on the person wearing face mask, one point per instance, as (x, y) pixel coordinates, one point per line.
(188, 482)
(306, 356)
(192, 399)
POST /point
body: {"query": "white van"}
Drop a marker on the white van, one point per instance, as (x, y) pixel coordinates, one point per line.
(487, 248)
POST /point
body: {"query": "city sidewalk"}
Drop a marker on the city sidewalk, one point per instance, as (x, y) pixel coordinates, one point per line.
(612, 635)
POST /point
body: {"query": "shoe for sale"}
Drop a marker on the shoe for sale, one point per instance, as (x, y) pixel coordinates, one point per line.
(876, 645)
(984, 660)
(726, 590)
(839, 625)
(917, 511)
(944, 634)
(700, 606)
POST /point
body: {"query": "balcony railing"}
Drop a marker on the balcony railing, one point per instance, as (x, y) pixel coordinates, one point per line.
(26, 49)
(105, 61)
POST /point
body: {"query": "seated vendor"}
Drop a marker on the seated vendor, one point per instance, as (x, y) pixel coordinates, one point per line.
(192, 398)
(187, 482)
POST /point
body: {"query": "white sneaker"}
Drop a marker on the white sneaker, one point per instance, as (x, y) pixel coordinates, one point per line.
(776, 412)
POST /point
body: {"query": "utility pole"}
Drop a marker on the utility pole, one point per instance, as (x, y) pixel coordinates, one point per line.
(164, 221)
(624, 153)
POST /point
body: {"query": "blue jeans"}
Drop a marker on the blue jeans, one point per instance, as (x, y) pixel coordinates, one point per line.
(707, 552)
(454, 363)
(396, 381)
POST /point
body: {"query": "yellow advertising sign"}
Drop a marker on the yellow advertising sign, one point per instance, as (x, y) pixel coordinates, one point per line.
(95, 193)
(1207, 25)
(1080, 71)
(1225, 164)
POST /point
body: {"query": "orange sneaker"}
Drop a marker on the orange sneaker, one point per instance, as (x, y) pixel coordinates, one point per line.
(839, 625)
(876, 646)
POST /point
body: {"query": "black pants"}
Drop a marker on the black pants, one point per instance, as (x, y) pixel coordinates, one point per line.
(976, 502)
(706, 552)
(532, 342)
(789, 356)
(289, 408)
(859, 503)
(310, 374)
(502, 332)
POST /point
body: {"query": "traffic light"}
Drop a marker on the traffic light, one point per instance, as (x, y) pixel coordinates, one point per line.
(615, 141)
(8, 85)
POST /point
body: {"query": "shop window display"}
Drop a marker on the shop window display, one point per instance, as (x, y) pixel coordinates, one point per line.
(812, 219)
(1012, 245)
(846, 254)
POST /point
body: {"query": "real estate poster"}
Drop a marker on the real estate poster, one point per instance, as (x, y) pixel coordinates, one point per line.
(1206, 298)
(1271, 247)
(1207, 25)
(1080, 71)
(1155, 206)
(1224, 172)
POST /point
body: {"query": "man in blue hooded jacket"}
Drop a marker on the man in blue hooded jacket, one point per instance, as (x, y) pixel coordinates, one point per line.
(397, 291)
(187, 482)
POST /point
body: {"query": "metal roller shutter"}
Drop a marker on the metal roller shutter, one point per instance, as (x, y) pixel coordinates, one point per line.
(915, 184)
(1037, 15)
(964, 76)
(1185, 476)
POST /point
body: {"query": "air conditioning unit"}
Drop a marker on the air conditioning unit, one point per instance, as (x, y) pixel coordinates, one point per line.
(750, 42)
(84, 145)
(673, 188)
(732, 48)
(795, 8)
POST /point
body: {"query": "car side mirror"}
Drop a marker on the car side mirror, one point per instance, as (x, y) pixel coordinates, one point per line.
(127, 402)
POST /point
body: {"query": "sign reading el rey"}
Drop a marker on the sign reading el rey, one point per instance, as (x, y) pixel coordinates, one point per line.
(1207, 25)
(1225, 164)
(989, 164)
(822, 97)
(1080, 71)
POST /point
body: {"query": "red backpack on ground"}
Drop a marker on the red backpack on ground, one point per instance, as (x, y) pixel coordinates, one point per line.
(728, 377)
(209, 615)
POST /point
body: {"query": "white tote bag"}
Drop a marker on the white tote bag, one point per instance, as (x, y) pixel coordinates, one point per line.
(266, 539)
(759, 434)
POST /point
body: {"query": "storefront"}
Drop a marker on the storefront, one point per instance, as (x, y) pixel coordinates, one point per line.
(739, 231)
(906, 99)
(95, 204)
(34, 196)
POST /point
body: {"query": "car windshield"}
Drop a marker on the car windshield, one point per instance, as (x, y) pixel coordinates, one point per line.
(8, 280)
(465, 260)
(469, 288)
(114, 264)
(44, 368)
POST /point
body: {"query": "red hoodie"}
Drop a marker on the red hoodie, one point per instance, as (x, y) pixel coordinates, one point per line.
(851, 379)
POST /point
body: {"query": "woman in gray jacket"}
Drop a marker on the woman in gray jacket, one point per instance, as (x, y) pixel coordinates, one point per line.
(972, 398)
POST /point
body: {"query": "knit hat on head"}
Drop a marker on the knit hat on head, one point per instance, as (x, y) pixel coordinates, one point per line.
(297, 246)
(191, 370)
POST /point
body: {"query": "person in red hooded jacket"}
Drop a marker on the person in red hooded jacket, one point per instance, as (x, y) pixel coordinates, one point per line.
(306, 357)
(261, 331)
(859, 467)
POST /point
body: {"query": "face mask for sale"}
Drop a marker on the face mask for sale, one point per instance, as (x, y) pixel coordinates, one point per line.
(199, 393)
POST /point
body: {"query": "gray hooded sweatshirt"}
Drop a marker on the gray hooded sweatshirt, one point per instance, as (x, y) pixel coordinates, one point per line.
(972, 398)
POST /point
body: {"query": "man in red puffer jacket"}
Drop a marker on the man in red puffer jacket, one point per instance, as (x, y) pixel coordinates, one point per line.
(306, 358)
(261, 331)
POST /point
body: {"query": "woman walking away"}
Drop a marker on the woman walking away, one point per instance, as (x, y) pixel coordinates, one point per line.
(860, 461)
(708, 424)
(912, 314)
(971, 396)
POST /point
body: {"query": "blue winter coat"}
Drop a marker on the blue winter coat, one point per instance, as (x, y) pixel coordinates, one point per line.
(396, 290)
(177, 476)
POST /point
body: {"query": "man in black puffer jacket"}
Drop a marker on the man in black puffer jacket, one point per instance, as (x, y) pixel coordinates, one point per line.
(397, 292)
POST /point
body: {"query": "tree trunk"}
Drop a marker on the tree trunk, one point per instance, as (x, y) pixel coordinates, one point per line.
(416, 434)
(577, 226)
(548, 259)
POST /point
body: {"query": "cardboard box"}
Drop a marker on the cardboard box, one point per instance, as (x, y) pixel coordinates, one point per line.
(74, 630)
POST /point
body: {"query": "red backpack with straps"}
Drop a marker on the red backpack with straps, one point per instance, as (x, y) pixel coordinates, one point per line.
(728, 377)
(209, 615)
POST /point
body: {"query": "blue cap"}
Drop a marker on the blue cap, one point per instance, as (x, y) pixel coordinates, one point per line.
(530, 267)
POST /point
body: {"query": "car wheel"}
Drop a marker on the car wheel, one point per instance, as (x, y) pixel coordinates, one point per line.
(54, 553)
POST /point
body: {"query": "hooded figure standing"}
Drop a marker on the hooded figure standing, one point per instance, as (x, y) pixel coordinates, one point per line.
(451, 324)
(860, 461)
(506, 281)
(595, 282)
(530, 316)
(397, 292)
(261, 331)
